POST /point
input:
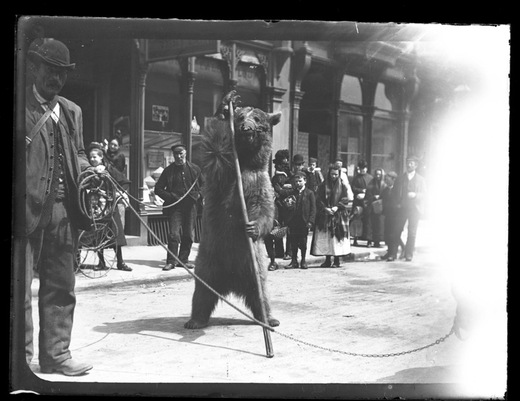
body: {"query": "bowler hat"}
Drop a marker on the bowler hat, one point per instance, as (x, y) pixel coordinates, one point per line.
(298, 159)
(179, 145)
(362, 164)
(51, 51)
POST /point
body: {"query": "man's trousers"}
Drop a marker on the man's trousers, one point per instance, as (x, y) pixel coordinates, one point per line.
(51, 249)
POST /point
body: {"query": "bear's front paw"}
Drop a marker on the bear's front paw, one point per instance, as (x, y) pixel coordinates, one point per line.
(193, 324)
(273, 322)
(252, 230)
(223, 109)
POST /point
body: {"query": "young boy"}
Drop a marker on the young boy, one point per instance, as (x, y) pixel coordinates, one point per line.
(315, 176)
(301, 220)
(95, 157)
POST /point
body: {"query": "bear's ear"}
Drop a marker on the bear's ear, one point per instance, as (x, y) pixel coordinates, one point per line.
(274, 118)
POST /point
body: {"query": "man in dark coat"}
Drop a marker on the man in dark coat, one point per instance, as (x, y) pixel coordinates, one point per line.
(179, 186)
(55, 156)
(282, 188)
(359, 187)
(409, 194)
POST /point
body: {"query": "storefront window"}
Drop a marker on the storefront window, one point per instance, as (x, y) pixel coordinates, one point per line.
(350, 138)
(350, 124)
(384, 144)
(207, 93)
(162, 117)
(384, 133)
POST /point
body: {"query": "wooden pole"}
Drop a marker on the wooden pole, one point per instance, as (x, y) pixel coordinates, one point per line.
(267, 334)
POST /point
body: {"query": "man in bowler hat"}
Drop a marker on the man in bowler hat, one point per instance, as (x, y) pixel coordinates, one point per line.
(179, 186)
(55, 156)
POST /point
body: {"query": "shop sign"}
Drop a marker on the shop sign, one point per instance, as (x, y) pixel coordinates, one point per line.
(166, 49)
(160, 113)
(155, 159)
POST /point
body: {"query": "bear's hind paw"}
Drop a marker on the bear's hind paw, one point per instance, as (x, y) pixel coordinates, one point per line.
(193, 324)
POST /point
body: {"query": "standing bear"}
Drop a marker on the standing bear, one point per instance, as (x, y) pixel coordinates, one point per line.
(224, 259)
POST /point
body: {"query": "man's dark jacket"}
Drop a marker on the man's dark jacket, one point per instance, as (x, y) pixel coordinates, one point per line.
(39, 155)
(308, 206)
(165, 186)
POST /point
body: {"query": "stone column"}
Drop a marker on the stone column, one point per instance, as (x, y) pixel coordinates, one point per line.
(401, 96)
(274, 97)
(368, 91)
(301, 63)
(137, 155)
(189, 74)
(231, 55)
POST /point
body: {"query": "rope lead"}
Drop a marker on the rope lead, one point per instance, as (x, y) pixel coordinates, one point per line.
(266, 326)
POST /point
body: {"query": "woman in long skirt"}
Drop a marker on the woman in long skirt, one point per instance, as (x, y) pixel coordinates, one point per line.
(331, 235)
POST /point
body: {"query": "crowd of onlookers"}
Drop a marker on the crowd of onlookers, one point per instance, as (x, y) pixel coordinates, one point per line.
(341, 211)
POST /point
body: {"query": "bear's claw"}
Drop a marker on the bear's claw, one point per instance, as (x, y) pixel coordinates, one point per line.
(193, 324)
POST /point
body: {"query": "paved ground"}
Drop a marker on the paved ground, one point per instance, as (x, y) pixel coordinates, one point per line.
(130, 326)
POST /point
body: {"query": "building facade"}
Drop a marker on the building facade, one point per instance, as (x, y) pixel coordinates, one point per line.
(338, 98)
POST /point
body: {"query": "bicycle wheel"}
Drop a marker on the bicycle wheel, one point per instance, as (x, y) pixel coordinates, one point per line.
(100, 240)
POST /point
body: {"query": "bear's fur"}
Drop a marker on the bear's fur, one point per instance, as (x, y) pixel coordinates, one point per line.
(224, 260)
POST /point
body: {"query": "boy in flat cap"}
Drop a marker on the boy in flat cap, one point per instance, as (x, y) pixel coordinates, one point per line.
(301, 220)
(179, 186)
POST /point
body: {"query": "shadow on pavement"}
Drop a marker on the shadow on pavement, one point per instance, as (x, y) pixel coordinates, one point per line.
(431, 374)
(173, 325)
(147, 262)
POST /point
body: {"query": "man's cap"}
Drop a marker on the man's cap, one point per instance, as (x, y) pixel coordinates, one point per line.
(392, 174)
(313, 160)
(300, 174)
(298, 159)
(413, 158)
(52, 52)
(178, 147)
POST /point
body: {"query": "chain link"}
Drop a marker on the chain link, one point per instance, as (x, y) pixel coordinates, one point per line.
(387, 355)
(288, 336)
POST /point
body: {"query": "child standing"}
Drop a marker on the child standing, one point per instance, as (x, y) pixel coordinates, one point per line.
(301, 219)
(96, 158)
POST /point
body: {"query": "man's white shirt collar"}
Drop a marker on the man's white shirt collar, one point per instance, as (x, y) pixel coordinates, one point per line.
(44, 103)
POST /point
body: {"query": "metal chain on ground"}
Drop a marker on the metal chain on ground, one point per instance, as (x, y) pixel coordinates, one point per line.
(382, 355)
(288, 336)
(179, 262)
